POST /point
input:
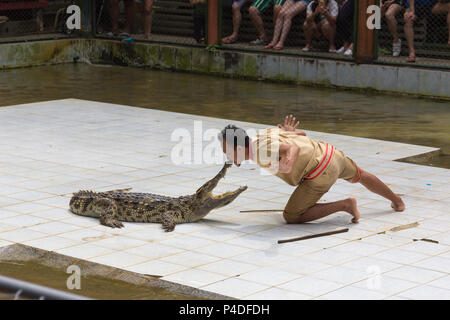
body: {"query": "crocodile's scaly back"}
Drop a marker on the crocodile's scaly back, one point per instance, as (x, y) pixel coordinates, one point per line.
(114, 206)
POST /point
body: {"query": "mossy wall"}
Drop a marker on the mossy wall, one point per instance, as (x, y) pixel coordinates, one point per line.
(255, 66)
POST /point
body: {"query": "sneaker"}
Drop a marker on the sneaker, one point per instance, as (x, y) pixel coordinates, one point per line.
(258, 42)
(341, 50)
(396, 48)
(348, 52)
(306, 49)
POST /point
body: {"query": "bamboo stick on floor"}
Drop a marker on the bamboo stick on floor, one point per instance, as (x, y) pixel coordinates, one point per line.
(261, 210)
(314, 235)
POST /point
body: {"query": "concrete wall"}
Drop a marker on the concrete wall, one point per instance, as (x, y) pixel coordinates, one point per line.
(257, 66)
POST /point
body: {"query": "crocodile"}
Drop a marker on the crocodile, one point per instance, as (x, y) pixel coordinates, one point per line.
(114, 206)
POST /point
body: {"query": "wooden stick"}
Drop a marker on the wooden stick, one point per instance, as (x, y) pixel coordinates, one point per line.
(268, 210)
(427, 240)
(314, 235)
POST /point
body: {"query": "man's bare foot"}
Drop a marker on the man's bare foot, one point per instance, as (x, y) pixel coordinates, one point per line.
(352, 208)
(398, 205)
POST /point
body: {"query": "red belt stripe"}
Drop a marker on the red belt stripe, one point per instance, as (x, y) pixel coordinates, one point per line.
(308, 177)
(358, 177)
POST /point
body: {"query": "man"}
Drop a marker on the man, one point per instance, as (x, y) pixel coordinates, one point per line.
(114, 12)
(321, 20)
(312, 166)
(417, 9)
(390, 9)
(199, 14)
(443, 7)
(237, 19)
(145, 6)
(255, 10)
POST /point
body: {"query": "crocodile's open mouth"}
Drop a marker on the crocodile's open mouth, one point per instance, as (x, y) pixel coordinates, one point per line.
(226, 194)
(220, 196)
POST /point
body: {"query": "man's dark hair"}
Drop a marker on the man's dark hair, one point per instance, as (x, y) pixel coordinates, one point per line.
(239, 136)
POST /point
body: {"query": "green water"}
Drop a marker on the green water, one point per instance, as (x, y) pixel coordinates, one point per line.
(386, 117)
(91, 286)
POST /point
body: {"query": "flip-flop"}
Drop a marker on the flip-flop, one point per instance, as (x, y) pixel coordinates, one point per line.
(269, 46)
(277, 48)
(411, 59)
(229, 40)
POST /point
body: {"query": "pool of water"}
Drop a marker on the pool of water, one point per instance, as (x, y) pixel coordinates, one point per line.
(91, 286)
(386, 117)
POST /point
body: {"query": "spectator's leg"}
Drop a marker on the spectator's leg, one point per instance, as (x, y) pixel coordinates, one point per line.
(257, 21)
(409, 18)
(276, 11)
(147, 18)
(114, 13)
(391, 20)
(344, 25)
(448, 23)
(294, 10)
(310, 30)
(279, 23)
(130, 13)
(237, 19)
(199, 21)
(329, 32)
(443, 8)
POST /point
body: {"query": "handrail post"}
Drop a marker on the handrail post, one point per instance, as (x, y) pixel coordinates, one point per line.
(365, 37)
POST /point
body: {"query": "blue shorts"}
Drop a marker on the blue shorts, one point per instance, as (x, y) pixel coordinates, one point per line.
(240, 3)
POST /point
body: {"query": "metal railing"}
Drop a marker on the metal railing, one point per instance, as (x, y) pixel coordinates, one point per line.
(170, 21)
(332, 29)
(18, 289)
(33, 18)
(416, 33)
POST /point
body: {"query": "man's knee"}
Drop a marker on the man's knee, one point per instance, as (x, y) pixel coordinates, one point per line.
(293, 218)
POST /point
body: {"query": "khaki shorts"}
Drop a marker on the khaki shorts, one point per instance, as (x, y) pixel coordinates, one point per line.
(312, 188)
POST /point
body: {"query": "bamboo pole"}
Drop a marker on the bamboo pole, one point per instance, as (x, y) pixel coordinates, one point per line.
(314, 235)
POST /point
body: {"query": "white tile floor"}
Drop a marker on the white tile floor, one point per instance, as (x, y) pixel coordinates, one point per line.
(50, 149)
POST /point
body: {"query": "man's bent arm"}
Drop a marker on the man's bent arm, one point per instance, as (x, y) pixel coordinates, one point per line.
(288, 156)
(300, 132)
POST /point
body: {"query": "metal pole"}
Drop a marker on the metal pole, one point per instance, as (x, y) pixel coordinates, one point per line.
(365, 37)
(34, 291)
(213, 22)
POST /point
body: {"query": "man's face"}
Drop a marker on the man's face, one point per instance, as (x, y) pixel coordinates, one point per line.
(235, 155)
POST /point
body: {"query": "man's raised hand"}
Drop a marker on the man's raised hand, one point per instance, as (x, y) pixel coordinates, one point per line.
(289, 123)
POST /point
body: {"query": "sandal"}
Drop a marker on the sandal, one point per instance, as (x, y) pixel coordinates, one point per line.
(229, 40)
(269, 46)
(411, 59)
(278, 48)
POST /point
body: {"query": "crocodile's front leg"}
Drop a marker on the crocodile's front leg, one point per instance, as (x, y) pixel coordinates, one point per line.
(107, 210)
(168, 222)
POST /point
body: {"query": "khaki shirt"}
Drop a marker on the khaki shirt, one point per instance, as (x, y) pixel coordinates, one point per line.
(266, 146)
